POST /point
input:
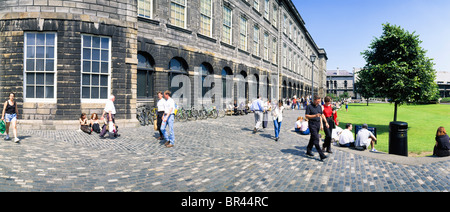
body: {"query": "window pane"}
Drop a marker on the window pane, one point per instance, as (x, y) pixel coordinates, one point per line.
(86, 53)
(40, 39)
(104, 67)
(95, 79)
(50, 39)
(40, 51)
(104, 92)
(104, 80)
(95, 54)
(50, 53)
(31, 38)
(39, 79)
(96, 42)
(86, 66)
(95, 93)
(50, 66)
(30, 52)
(49, 79)
(30, 65)
(105, 55)
(30, 91)
(86, 41)
(86, 79)
(39, 91)
(105, 43)
(30, 78)
(85, 92)
(40, 65)
(95, 67)
(49, 92)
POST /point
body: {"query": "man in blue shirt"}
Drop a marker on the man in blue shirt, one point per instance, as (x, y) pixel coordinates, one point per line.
(258, 110)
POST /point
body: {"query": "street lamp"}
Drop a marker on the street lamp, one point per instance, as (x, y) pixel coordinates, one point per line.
(313, 59)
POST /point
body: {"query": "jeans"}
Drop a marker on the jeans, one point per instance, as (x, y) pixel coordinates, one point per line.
(168, 136)
(277, 126)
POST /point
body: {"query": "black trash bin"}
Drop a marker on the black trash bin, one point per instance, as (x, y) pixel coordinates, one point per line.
(398, 138)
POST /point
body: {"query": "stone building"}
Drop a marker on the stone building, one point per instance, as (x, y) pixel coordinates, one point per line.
(62, 58)
(339, 82)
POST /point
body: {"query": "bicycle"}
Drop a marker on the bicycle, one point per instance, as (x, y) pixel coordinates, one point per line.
(142, 115)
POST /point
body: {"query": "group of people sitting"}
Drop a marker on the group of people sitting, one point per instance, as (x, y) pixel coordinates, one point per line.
(364, 138)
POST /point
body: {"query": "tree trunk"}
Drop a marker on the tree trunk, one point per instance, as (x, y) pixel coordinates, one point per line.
(395, 112)
(367, 101)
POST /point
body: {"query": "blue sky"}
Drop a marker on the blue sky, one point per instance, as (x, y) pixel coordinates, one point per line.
(345, 28)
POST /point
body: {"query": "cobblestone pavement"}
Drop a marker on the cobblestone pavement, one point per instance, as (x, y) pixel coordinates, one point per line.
(209, 155)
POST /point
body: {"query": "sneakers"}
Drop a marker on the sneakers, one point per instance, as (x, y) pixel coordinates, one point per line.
(374, 150)
(16, 140)
(7, 137)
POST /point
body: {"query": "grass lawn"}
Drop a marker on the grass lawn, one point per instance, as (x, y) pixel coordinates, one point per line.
(423, 121)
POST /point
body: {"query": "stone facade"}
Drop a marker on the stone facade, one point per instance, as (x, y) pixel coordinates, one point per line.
(281, 48)
(339, 82)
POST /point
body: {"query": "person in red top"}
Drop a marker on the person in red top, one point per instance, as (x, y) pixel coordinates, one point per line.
(329, 118)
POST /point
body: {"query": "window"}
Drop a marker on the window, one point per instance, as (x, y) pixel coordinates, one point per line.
(275, 16)
(145, 8)
(145, 76)
(284, 55)
(40, 66)
(243, 34)
(274, 51)
(95, 67)
(266, 46)
(177, 66)
(256, 40)
(205, 17)
(178, 13)
(227, 25)
(285, 23)
(256, 5)
(266, 9)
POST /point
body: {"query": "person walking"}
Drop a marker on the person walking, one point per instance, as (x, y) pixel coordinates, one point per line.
(168, 119)
(314, 115)
(257, 107)
(110, 112)
(277, 115)
(160, 114)
(329, 118)
(9, 115)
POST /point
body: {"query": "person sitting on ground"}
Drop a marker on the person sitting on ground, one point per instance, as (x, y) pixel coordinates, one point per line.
(442, 147)
(94, 123)
(84, 124)
(298, 124)
(346, 137)
(304, 129)
(364, 138)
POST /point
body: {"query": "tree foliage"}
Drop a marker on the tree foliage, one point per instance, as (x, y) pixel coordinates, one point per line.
(398, 69)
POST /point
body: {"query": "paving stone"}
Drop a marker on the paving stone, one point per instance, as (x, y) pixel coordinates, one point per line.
(209, 155)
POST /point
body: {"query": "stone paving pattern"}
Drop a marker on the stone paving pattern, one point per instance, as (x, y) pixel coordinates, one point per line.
(210, 155)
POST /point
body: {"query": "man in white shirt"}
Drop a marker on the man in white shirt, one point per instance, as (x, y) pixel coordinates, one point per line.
(346, 137)
(364, 138)
(257, 107)
(160, 114)
(168, 119)
(110, 111)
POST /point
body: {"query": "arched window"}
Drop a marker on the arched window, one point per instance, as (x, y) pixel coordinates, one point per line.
(177, 66)
(206, 69)
(226, 71)
(145, 74)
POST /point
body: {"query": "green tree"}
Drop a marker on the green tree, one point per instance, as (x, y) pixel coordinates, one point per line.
(398, 69)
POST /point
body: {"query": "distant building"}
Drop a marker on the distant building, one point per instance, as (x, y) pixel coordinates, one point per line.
(339, 82)
(443, 81)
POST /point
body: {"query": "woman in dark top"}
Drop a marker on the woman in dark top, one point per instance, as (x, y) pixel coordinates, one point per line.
(442, 147)
(9, 115)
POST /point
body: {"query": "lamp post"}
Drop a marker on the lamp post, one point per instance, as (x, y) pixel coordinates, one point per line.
(313, 59)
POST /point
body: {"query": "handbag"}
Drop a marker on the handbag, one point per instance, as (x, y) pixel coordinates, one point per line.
(155, 125)
(2, 127)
